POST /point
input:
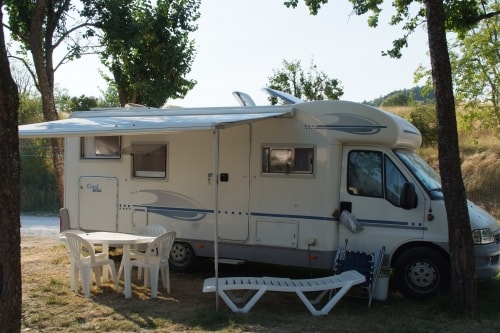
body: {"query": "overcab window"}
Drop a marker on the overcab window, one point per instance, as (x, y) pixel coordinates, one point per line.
(100, 147)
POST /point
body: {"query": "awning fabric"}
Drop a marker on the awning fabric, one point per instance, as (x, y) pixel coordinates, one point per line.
(98, 123)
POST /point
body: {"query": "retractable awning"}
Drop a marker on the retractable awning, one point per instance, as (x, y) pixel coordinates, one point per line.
(135, 123)
(120, 122)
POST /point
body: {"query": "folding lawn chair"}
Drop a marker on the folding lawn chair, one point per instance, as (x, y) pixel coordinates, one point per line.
(365, 263)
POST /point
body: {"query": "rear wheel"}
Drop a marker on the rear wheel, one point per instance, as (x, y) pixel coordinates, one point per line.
(182, 257)
(421, 272)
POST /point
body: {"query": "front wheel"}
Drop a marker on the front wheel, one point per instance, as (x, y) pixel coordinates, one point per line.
(182, 257)
(421, 272)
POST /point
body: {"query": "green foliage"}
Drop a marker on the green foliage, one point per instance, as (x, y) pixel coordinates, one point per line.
(460, 16)
(423, 116)
(37, 182)
(311, 86)
(314, 5)
(37, 177)
(147, 47)
(111, 98)
(83, 103)
(475, 72)
(30, 110)
(479, 116)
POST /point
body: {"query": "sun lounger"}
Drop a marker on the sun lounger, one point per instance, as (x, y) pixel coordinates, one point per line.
(255, 287)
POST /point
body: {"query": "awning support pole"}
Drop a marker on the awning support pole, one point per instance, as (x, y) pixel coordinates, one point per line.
(215, 143)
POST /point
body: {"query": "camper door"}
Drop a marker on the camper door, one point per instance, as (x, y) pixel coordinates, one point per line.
(234, 183)
(371, 187)
(98, 203)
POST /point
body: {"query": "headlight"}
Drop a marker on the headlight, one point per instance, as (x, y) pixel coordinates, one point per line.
(483, 236)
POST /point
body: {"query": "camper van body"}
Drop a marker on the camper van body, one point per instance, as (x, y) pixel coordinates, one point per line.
(269, 184)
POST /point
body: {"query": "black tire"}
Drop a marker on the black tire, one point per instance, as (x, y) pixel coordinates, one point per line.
(421, 272)
(182, 257)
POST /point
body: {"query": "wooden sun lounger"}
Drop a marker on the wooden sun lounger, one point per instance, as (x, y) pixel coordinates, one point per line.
(256, 287)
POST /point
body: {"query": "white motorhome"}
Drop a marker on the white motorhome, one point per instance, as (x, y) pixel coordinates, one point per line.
(271, 182)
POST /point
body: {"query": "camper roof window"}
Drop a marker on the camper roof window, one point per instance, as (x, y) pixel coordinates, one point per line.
(100, 147)
(149, 161)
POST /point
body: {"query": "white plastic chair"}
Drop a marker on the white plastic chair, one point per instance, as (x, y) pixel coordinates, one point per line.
(138, 251)
(85, 260)
(74, 271)
(155, 260)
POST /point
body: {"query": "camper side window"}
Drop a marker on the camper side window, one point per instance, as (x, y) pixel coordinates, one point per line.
(100, 147)
(373, 174)
(287, 160)
(149, 161)
(365, 173)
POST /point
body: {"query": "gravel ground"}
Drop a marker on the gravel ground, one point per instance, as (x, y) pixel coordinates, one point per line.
(41, 226)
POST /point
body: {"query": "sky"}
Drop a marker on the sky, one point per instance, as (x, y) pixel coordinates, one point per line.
(239, 43)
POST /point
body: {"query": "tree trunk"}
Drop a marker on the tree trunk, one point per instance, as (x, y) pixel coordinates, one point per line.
(42, 54)
(10, 239)
(463, 282)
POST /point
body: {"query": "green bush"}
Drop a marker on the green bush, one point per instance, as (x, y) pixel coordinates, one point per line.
(423, 116)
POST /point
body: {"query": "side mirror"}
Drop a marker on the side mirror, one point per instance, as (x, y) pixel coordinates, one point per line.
(408, 197)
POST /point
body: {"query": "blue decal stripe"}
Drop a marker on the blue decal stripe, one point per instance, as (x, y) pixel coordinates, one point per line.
(177, 209)
(412, 132)
(368, 223)
(390, 224)
(306, 217)
(349, 126)
(384, 222)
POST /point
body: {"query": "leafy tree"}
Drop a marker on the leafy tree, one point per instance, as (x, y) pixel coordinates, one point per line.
(110, 97)
(440, 16)
(10, 237)
(83, 103)
(29, 109)
(147, 48)
(475, 65)
(40, 27)
(476, 72)
(310, 86)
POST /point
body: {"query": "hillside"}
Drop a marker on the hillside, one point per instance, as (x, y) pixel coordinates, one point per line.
(415, 93)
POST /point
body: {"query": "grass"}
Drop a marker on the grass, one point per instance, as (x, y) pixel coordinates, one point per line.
(50, 306)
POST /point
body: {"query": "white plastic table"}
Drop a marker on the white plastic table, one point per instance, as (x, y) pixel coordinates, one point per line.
(105, 239)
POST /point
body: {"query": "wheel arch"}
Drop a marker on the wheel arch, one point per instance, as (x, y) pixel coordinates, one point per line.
(406, 246)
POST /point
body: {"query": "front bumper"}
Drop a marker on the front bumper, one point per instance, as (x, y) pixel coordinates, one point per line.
(487, 260)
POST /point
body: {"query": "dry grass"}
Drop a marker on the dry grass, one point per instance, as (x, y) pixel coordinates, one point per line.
(480, 153)
(50, 306)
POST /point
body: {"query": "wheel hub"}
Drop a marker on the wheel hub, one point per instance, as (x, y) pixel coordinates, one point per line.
(178, 252)
(422, 275)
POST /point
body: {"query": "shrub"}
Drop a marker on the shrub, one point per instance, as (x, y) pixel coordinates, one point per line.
(423, 116)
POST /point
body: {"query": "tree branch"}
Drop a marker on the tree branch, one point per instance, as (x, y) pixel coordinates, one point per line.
(27, 65)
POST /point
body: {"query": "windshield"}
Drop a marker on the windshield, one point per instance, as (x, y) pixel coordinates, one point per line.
(424, 173)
